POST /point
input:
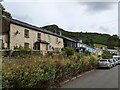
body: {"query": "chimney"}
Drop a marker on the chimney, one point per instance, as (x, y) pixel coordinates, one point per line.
(4, 12)
(1, 7)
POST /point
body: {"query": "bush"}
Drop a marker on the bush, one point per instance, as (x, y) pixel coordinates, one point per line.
(42, 71)
(69, 51)
(26, 74)
(106, 55)
(49, 53)
(6, 53)
(17, 52)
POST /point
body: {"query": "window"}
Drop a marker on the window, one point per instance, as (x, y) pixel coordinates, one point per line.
(56, 40)
(39, 36)
(46, 47)
(26, 45)
(49, 38)
(26, 33)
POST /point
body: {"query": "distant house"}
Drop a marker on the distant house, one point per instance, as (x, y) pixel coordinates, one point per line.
(87, 48)
(113, 51)
(99, 51)
(68, 42)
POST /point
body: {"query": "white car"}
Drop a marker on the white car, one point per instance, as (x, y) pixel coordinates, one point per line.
(112, 62)
(104, 63)
(117, 58)
(116, 61)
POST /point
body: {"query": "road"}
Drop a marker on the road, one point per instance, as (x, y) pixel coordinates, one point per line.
(100, 78)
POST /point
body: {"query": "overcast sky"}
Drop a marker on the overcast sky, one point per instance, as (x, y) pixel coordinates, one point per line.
(101, 17)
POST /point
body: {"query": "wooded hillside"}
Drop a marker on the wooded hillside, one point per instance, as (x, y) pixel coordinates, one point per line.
(88, 38)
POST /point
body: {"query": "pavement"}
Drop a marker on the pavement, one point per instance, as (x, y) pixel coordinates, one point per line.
(100, 78)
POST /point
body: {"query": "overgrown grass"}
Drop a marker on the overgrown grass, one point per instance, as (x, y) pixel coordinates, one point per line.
(44, 71)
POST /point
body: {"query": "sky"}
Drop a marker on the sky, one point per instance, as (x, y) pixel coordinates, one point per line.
(100, 17)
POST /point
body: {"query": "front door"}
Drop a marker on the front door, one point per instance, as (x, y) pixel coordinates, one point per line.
(37, 46)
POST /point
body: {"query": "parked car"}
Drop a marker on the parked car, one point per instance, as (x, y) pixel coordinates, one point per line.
(112, 62)
(118, 61)
(117, 58)
(115, 61)
(104, 63)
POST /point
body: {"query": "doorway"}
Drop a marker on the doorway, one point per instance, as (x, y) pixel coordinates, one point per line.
(37, 46)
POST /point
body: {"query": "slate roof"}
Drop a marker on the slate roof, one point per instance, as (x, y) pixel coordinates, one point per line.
(20, 23)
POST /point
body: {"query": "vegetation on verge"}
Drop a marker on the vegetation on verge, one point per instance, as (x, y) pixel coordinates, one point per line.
(45, 71)
(107, 55)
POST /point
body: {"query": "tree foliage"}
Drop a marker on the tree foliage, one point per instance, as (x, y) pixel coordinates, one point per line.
(106, 55)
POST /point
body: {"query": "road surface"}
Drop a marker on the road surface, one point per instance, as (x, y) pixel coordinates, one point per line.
(101, 78)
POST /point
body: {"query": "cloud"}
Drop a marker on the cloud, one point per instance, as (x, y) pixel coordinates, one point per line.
(98, 6)
(104, 29)
(26, 18)
(75, 17)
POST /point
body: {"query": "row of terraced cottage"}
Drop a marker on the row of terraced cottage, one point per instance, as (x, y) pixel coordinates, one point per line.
(16, 33)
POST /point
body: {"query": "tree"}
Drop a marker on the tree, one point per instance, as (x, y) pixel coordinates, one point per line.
(106, 55)
(110, 47)
(89, 42)
(69, 51)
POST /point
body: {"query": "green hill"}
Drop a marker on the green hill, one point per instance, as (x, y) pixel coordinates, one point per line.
(88, 38)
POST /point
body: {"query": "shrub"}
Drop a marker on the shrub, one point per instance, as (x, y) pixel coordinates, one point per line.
(49, 53)
(18, 52)
(107, 55)
(69, 51)
(6, 53)
(26, 73)
(42, 71)
(93, 61)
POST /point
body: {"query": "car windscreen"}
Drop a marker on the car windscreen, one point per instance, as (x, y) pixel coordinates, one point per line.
(103, 60)
(115, 58)
(111, 60)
